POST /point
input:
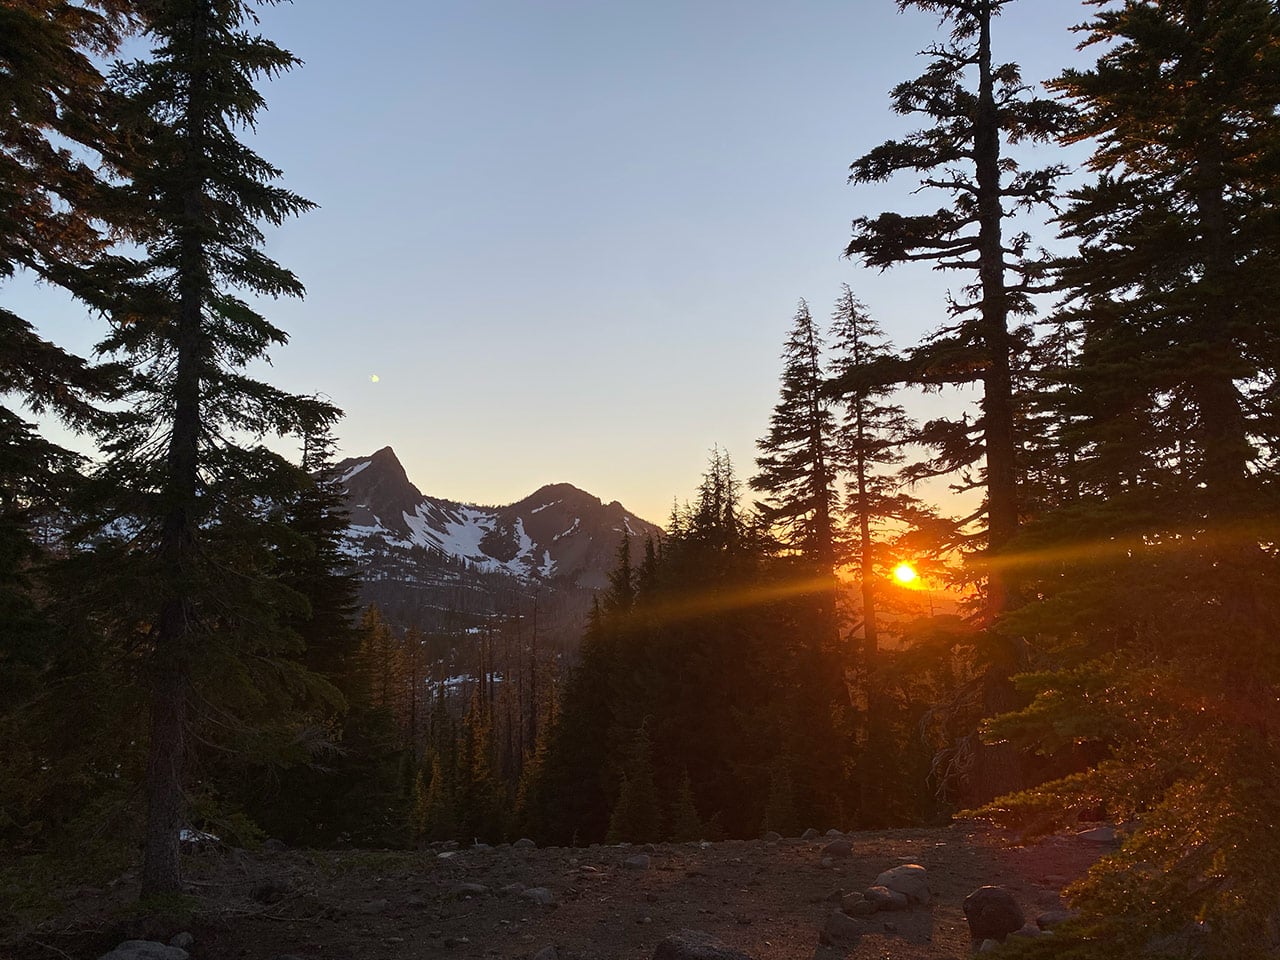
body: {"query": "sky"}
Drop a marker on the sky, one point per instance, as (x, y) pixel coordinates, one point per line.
(563, 240)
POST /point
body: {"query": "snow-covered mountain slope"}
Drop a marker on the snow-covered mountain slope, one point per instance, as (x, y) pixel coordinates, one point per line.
(558, 533)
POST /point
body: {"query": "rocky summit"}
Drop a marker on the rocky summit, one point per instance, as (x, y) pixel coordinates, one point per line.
(431, 562)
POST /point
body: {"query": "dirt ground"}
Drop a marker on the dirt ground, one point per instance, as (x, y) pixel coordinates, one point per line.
(768, 899)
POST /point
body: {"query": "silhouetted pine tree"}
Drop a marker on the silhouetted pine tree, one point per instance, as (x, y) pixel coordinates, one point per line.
(796, 467)
(199, 196)
(975, 107)
(1159, 587)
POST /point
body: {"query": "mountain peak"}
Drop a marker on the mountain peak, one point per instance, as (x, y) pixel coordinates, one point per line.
(559, 531)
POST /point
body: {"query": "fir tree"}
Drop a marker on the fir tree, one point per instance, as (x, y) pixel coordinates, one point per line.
(976, 107)
(796, 468)
(200, 195)
(872, 433)
(1159, 586)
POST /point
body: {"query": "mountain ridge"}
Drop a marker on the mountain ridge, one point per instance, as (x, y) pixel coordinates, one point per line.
(559, 532)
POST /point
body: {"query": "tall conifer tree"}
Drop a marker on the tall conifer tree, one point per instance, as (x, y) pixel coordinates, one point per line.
(976, 107)
(201, 196)
(1160, 589)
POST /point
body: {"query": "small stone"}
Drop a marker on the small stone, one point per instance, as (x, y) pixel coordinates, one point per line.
(547, 953)
(810, 834)
(540, 895)
(992, 913)
(373, 907)
(988, 946)
(182, 941)
(638, 862)
(1028, 930)
(1052, 918)
(1098, 835)
(827, 862)
(415, 902)
(833, 832)
(524, 843)
(841, 928)
(274, 846)
(910, 879)
(145, 950)
(512, 889)
(464, 890)
(856, 905)
(838, 848)
(695, 945)
(885, 899)
(773, 836)
(447, 855)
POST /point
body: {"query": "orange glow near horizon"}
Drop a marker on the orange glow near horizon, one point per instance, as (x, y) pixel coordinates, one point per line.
(905, 573)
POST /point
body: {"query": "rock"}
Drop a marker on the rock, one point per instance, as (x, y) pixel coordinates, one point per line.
(911, 879)
(838, 848)
(1098, 835)
(841, 928)
(481, 847)
(270, 891)
(539, 895)
(447, 855)
(464, 890)
(773, 836)
(810, 834)
(992, 913)
(524, 843)
(827, 862)
(856, 905)
(1055, 917)
(415, 902)
(695, 945)
(987, 946)
(182, 941)
(1028, 930)
(145, 950)
(512, 889)
(638, 862)
(882, 898)
(833, 832)
(547, 953)
(274, 846)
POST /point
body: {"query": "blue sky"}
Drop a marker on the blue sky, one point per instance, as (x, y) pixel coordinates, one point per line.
(568, 238)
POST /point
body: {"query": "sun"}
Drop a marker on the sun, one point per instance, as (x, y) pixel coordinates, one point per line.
(905, 573)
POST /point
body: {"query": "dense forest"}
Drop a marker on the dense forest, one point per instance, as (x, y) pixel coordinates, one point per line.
(181, 647)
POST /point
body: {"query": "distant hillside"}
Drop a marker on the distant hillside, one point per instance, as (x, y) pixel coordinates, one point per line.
(445, 566)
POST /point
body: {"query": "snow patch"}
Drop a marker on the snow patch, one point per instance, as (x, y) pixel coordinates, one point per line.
(346, 477)
(545, 505)
(573, 529)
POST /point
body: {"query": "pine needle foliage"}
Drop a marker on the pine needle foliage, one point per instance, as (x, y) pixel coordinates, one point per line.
(222, 660)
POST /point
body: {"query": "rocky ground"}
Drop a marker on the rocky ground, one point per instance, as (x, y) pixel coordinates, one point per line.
(769, 899)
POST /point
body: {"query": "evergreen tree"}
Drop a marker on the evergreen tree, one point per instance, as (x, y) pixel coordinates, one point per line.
(683, 824)
(977, 107)
(872, 433)
(796, 468)
(198, 196)
(52, 205)
(636, 816)
(1159, 588)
